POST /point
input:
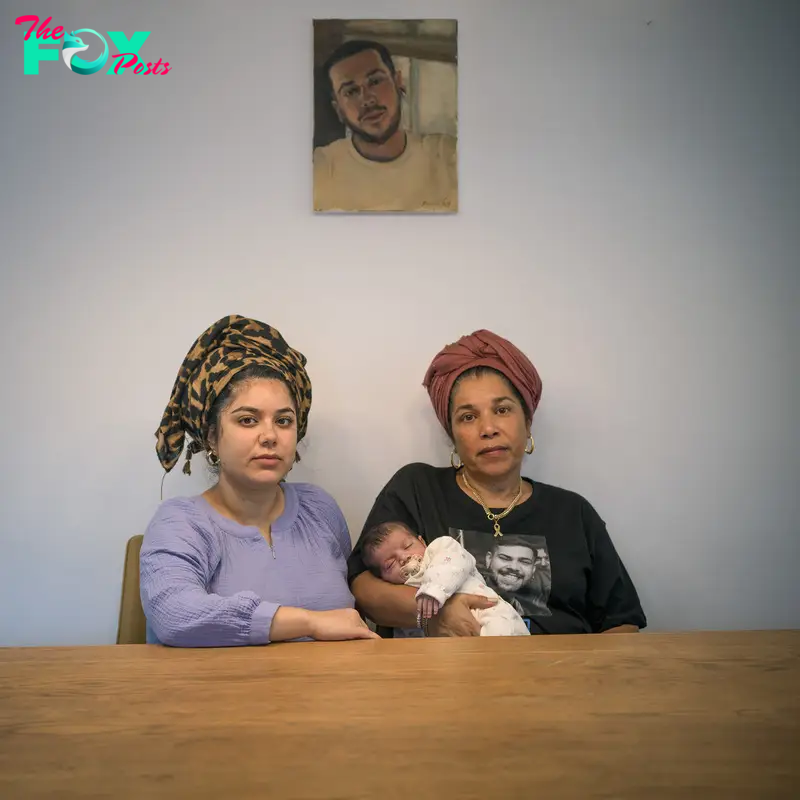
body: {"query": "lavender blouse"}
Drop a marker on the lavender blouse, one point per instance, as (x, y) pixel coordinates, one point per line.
(207, 581)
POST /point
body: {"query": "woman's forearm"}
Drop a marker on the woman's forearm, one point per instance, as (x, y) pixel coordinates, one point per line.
(385, 603)
(290, 623)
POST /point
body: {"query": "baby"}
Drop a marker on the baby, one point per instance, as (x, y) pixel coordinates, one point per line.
(394, 553)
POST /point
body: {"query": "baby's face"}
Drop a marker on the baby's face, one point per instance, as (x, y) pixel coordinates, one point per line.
(397, 554)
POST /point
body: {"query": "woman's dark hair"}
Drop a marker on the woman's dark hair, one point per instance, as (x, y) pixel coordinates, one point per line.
(477, 372)
(254, 372)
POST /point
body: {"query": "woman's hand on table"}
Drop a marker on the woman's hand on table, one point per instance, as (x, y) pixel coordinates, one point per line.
(337, 625)
(456, 618)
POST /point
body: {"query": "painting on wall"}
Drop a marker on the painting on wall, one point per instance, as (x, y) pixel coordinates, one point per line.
(385, 115)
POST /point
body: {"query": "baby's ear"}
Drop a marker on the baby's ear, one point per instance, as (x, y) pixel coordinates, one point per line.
(422, 540)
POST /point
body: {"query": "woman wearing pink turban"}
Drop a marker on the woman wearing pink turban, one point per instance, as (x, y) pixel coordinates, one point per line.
(543, 549)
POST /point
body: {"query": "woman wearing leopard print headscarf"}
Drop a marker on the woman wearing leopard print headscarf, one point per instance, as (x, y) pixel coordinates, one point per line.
(254, 559)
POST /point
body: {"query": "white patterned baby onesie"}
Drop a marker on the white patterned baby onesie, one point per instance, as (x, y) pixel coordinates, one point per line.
(448, 568)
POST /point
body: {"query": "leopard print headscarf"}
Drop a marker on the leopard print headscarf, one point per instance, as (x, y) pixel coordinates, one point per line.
(228, 346)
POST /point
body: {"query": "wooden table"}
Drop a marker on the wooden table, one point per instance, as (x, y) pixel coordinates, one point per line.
(711, 715)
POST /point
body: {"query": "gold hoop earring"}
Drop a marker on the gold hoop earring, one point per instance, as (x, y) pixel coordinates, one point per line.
(212, 458)
(453, 464)
(533, 446)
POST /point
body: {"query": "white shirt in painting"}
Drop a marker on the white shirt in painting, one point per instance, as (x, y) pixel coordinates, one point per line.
(423, 178)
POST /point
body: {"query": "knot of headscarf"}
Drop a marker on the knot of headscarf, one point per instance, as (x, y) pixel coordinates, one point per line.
(480, 349)
(227, 347)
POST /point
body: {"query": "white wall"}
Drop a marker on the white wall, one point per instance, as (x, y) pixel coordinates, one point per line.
(629, 205)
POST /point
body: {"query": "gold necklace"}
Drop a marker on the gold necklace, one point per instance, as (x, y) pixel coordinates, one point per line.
(494, 518)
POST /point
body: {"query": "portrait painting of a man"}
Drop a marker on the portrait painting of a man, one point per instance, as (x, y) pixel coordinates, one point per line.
(385, 116)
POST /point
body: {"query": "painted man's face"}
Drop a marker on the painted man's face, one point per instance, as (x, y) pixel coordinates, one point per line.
(367, 96)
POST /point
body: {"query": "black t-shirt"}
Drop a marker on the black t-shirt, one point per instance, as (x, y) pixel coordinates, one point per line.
(555, 562)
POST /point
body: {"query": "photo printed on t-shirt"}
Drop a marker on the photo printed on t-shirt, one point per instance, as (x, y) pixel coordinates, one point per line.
(517, 568)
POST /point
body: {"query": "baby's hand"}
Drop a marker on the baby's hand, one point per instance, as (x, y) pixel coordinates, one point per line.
(427, 607)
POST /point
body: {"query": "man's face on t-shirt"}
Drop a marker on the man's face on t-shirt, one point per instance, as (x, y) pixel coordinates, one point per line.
(511, 566)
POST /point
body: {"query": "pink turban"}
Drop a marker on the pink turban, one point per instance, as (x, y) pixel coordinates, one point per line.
(480, 349)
